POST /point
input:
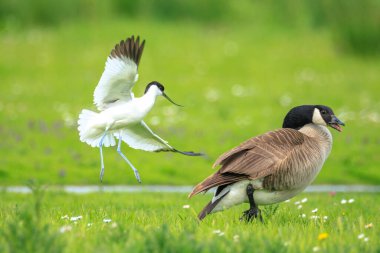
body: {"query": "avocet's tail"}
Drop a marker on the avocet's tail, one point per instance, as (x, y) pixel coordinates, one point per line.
(89, 133)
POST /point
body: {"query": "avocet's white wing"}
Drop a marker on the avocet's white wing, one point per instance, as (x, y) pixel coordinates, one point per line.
(120, 74)
(139, 136)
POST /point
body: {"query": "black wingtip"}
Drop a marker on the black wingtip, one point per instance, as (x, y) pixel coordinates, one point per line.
(189, 153)
(130, 48)
(210, 207)
(205, 211)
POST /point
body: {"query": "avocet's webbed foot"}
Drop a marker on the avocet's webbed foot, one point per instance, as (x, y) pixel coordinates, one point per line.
(253, 212)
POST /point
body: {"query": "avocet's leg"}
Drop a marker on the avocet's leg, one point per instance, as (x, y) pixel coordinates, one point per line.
(137, 175)
(101, 156)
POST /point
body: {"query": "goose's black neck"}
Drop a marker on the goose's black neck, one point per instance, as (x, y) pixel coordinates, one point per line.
(299, 116)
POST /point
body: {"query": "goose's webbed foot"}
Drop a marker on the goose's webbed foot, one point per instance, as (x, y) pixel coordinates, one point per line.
(253, 212)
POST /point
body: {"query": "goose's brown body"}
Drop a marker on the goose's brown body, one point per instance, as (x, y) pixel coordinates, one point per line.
(278, 164)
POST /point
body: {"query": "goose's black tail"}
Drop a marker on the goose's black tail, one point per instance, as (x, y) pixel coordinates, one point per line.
(210, 206)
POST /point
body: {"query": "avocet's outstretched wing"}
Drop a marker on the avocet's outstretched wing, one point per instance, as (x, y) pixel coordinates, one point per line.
(140, 136)
(120, 74)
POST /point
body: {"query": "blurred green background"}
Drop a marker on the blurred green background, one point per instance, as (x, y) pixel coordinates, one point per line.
(237, 66)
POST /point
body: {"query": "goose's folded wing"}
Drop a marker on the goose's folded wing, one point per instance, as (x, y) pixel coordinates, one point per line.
(256, 158)
(120, 73)
(277, 142)
(139, 136)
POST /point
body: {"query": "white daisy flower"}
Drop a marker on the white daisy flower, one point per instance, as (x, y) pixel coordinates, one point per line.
(76, 218)
(65, 229)
(107, 220)
(361, 236)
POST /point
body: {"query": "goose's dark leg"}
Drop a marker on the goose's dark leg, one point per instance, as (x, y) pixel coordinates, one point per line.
(253, 211)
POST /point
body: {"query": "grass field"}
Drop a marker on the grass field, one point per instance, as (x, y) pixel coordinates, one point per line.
(146, 222)
(237, 67)
(234, 84)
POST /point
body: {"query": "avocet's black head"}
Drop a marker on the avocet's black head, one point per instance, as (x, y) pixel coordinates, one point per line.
(316, 114)
(160, 90)
(159, 86)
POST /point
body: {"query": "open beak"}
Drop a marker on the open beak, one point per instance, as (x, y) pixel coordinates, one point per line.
(168, 98)
(336, 123)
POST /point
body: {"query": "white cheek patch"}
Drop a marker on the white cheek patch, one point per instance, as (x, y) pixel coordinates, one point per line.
(317, 118)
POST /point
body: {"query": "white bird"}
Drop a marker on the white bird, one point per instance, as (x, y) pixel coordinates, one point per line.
(121, 114)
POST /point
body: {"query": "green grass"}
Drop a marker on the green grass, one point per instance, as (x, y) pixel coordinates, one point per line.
(234, 83)
(157, 222)
(237, 72)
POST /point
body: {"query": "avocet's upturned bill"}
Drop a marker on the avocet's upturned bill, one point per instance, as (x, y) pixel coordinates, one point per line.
(121, 114)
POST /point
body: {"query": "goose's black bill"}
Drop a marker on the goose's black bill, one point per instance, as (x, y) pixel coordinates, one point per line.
(168, 98)
(336, 123)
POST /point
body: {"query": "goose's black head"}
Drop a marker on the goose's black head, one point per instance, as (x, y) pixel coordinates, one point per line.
(302, 115)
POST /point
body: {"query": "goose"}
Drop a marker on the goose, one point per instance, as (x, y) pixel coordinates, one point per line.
(272, 167)
(120, 113)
